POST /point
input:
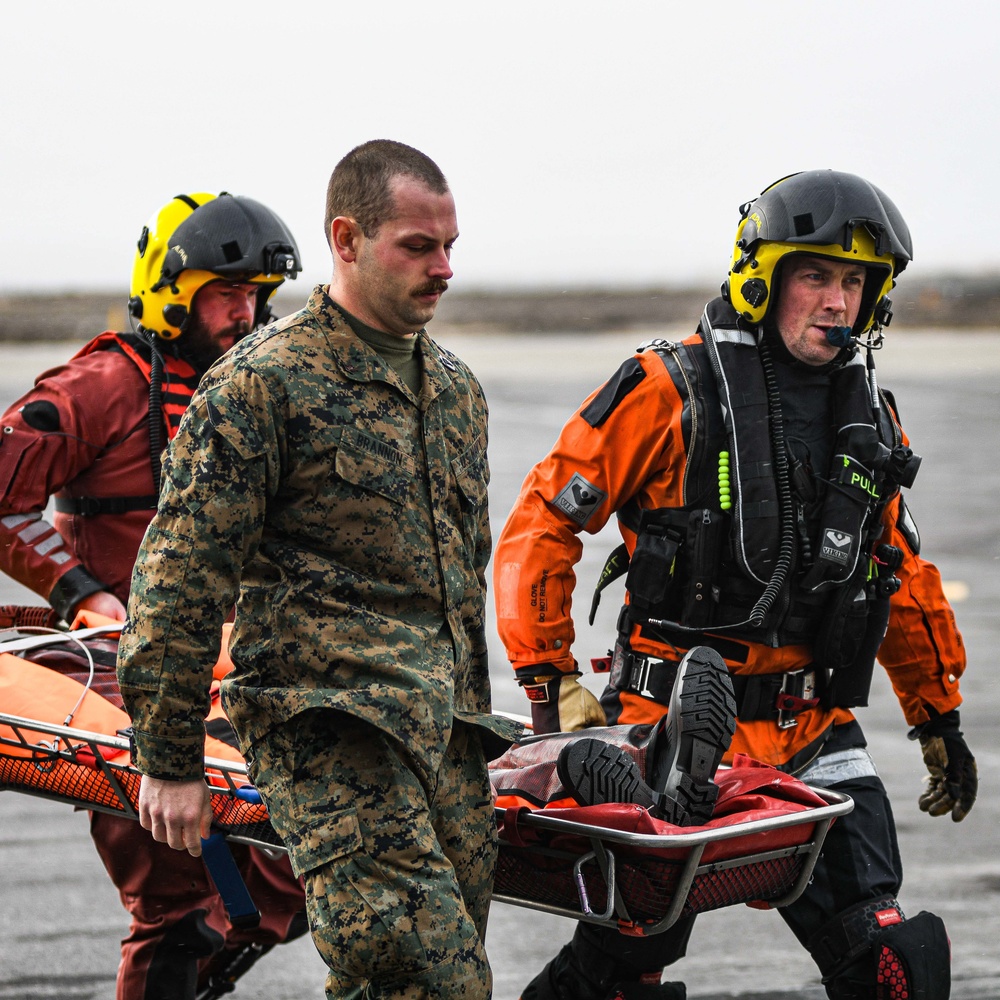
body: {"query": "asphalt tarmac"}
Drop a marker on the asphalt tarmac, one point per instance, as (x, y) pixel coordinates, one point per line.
(61, 920)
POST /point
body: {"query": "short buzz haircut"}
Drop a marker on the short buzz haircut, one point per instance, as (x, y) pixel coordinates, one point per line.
(360, 186)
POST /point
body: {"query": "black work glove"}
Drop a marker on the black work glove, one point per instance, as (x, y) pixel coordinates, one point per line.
(559, 702)
(954, 780)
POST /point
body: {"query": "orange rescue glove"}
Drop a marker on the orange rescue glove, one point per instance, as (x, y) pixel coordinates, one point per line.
(559, 702)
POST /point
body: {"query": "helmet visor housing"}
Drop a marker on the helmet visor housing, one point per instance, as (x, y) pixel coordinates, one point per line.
(825, 214)
(199, 238)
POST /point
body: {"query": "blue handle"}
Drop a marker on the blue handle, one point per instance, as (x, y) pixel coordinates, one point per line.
(229, 882)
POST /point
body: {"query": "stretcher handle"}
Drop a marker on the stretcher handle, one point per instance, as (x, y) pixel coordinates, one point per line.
(229, 882)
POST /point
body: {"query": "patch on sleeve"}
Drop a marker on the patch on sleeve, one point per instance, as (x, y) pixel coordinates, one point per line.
(578, 499)
(613, 392)
(508, 580)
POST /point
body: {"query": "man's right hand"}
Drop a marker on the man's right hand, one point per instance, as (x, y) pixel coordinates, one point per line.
(178, 813)
(559, 702)
(102, 603)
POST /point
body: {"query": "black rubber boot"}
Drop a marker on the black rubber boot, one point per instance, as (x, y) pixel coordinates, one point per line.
(553, 980)
(173, 972)
(643, 991)
(564, 979)
(597, 772)
(226, 967)
(682, 757)
(689, 743)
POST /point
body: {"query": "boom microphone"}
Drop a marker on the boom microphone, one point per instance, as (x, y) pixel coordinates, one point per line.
(839, 336)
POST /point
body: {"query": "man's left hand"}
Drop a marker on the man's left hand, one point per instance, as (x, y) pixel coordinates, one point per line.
(954, 779)
(177, 813)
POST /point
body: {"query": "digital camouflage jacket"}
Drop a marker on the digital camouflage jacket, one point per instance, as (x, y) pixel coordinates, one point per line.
(346, 519)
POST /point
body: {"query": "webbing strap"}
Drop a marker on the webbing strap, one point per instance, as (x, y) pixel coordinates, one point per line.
(89, 506)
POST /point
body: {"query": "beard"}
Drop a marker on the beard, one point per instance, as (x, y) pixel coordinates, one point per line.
(202, 347)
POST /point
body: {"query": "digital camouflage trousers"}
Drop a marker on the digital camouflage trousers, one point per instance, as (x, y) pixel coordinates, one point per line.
(397, 863)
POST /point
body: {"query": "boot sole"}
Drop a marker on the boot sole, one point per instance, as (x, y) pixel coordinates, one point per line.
(596, 772)
(700, 723)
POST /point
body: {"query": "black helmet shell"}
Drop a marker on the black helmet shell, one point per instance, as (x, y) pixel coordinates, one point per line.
(824, 213)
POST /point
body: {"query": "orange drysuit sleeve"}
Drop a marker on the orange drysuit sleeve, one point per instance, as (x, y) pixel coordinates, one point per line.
(922, 652)
(610, 450)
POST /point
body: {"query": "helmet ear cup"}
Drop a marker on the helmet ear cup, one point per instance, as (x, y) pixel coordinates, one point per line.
(755, 291)
(176, 316)
(135, 307)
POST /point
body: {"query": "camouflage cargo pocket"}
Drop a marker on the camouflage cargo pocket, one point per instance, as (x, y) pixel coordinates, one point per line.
(362, 926)
(472, 474)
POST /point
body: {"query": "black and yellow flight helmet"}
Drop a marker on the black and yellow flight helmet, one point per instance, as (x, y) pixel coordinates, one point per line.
(824, 213)
(202, 237)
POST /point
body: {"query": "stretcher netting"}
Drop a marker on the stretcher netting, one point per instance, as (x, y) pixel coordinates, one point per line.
(615, 864)
(63, 736)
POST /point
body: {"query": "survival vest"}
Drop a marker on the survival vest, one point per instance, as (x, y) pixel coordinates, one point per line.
(729, 562)
(172, 383)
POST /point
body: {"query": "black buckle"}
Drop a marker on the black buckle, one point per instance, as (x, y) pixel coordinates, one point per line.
(88, 506)
(92, 506)
(648, 676)
(638, 674)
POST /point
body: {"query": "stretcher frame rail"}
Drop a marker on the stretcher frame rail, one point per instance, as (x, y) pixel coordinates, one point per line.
(83, 749)
(604, 841)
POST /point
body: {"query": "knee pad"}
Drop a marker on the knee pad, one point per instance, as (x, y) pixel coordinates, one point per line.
(872, 952)
(913, 960)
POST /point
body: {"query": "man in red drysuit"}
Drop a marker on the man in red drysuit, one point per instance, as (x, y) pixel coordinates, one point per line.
(90, 434)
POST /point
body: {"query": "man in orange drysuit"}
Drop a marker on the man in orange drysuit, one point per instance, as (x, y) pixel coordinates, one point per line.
(90, 433)
(755, 470)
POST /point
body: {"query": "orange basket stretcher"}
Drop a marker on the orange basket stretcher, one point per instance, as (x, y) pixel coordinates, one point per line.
(92, 771)
(62, 739)
(618, 866)
(612, 864)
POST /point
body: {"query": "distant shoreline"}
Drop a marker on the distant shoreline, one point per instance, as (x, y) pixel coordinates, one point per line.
(944, 302)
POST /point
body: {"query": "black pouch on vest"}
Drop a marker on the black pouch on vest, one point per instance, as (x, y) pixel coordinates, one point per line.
(849, 638)
(652, 570)
(707, 532)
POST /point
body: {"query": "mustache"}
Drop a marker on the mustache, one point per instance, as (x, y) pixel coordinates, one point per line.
(435, 287)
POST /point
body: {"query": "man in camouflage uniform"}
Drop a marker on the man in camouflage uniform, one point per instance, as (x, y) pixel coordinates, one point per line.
(331, 478)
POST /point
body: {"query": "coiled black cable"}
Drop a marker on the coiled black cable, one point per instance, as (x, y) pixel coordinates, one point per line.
(786, 545)
(155, 413)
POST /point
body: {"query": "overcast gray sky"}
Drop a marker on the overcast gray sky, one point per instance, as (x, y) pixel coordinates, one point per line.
(586, 143)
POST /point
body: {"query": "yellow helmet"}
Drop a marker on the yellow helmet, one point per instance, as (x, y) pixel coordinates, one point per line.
(202, 237)
(823, 213)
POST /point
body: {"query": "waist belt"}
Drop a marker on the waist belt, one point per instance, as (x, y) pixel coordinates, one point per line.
(89, 506)
(775, 696)
(779, 697)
